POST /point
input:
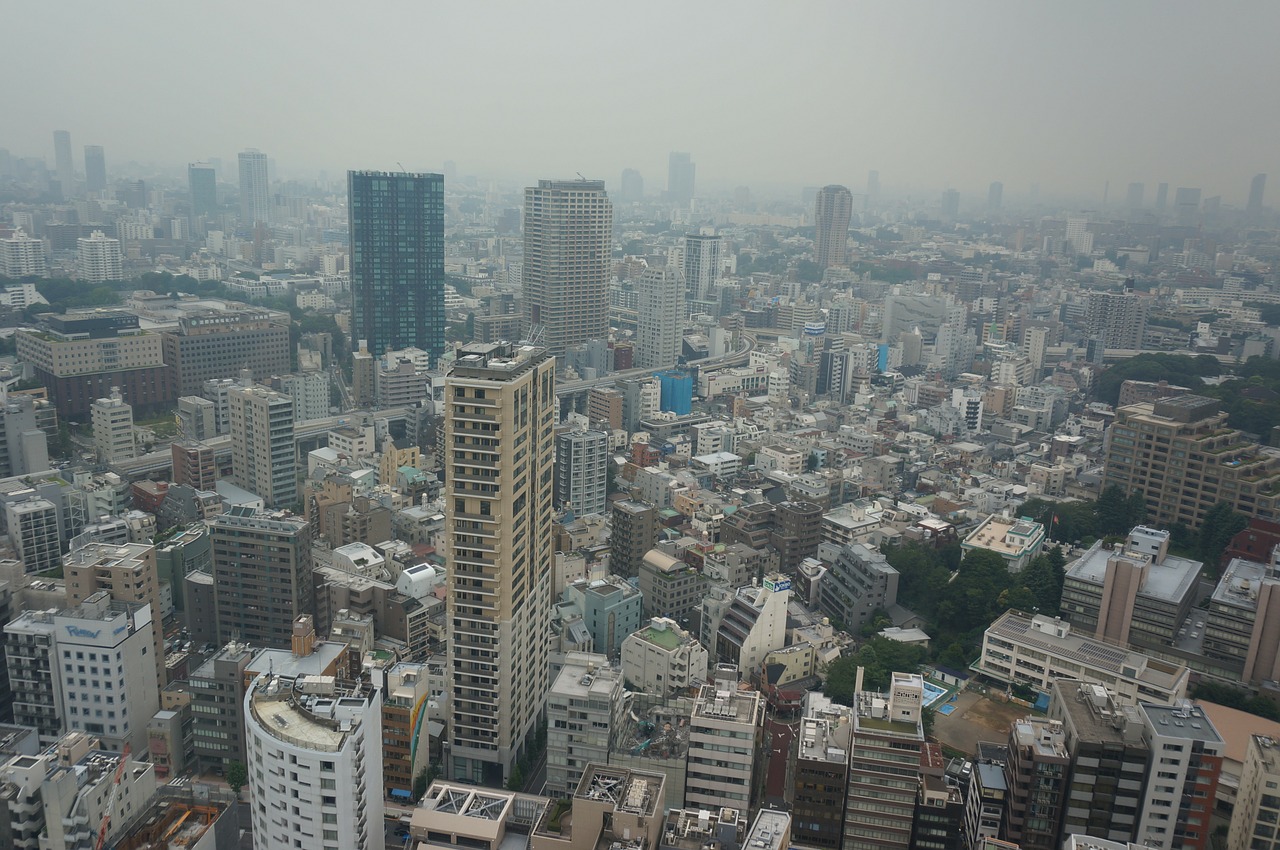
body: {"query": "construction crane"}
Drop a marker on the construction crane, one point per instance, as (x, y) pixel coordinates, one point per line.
(111, 798)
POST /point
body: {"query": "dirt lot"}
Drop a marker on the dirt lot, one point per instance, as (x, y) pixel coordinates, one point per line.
(975, 719)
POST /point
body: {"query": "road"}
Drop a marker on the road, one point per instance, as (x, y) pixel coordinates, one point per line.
(779, 742)
(738, 357)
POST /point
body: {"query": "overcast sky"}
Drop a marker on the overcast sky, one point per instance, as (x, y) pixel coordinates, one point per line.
(1064, 94)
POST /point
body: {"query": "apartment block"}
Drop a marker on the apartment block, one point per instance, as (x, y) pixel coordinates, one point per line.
(725, 733)
(1186, 762)
(663, 658)
(821, 772)
(1036, 774)
(884, 765)
(586, 708)
(1257, 810)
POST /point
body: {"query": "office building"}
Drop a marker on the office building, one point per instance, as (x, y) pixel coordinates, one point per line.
(1109, 760)
(884, 765)
(1134, 196)
(725, 731)
(671, 588)
(80, 356)
(663, 659)
(859, 583)
(1240, 627)
(117, 640)
(660, 321)
(112, 421)
(35, 531)
(95, 169)
(950, 205)
(568, 246)
(262, 575)
(255, 188)
(220, 344)
(315, 750)
(197, 418)
(1135, 594)
(405, 737)
(752, 625)
(202, 183)
(263, 455)
(995, 196)
(701, 264)
(1257, 186)
(21, 256)
(1117, 319)
(24, 446)
(821, 772)
(1035, 651)
(635, 530)
(988, 796)
(1015, 541)
(397, 260)
(681, 171)
(610, 609)
(125, 571)
(217, 690)
(586, 708)
(1181, 455)
(33, 670)
(195, 465)
(632, 186)
(1186, 207)
(1036, 774)
(940, 807)
(310, 394)
(582, 471)
(1257, 809)
(63, 163)
(1186, 756)
(98, 258)
(499, 539)
(832, 211)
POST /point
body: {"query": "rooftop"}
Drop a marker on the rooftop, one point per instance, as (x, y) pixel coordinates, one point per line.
(664, 633)
(771, 831)
(312, 712)
(1240, 583)
(1006, 537)
(1094, 714)
(1184, 719)
(1170, 579)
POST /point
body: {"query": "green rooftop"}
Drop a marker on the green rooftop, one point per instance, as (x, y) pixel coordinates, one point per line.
(664, 638)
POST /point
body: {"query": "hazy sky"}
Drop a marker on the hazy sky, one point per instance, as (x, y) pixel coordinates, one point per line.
(1067, 94)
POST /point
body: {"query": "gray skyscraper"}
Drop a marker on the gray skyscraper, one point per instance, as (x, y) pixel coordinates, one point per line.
(255, 190)
(1162, 196)
(397, 260)
(873, 187)
(62, 161)
(995, 196)
(680, 176)
(1257, 186)
(632, 185)
(1135, 197)
(262, 575)
(832, 211)
(1186, 206)
(701, 264)
(95, 169)
(660, 321)
(203, 183)
(568, 236)
(950, 204)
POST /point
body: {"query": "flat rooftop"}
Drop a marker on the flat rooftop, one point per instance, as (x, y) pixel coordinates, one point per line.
(1084, 703)
(1034, 734)
(1170, 580)
(1005, 536)
(734, 706)
(1240, 583)
(1183, 720)
(771, 831)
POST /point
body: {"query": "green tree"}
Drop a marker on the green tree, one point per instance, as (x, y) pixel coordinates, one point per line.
(1220, 524)
(237, 776)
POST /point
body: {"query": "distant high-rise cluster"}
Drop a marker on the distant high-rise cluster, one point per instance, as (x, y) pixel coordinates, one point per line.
(255, 190)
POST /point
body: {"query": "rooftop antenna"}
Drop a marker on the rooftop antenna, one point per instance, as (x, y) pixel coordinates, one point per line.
(580, 176)
(402, 168)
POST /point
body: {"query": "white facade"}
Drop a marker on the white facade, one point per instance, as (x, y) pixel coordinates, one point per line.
(98, 258)
(315, 763)
(659, 325)
(582, 470)
(662, 658)
(106, 659)
(310, 394)
(112, 421)
(22, 256)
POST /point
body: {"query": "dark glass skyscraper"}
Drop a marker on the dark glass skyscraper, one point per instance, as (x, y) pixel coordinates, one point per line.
(397, 260)
(95, 168)
(203, 182)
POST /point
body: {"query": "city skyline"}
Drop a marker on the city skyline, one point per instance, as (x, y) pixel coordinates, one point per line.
(1031, 110)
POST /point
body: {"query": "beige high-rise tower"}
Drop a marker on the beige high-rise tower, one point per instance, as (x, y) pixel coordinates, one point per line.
(832, 211)
(568, 245)
(498, 538)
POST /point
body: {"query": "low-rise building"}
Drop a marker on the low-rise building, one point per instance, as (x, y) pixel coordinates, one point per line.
(1016, 541)
(725, 731)
(1035, 651)
(663, 658)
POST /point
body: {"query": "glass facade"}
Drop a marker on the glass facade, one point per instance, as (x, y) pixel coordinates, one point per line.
(397, 260)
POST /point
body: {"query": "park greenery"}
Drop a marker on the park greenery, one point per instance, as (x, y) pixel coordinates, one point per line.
(1250, 397)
